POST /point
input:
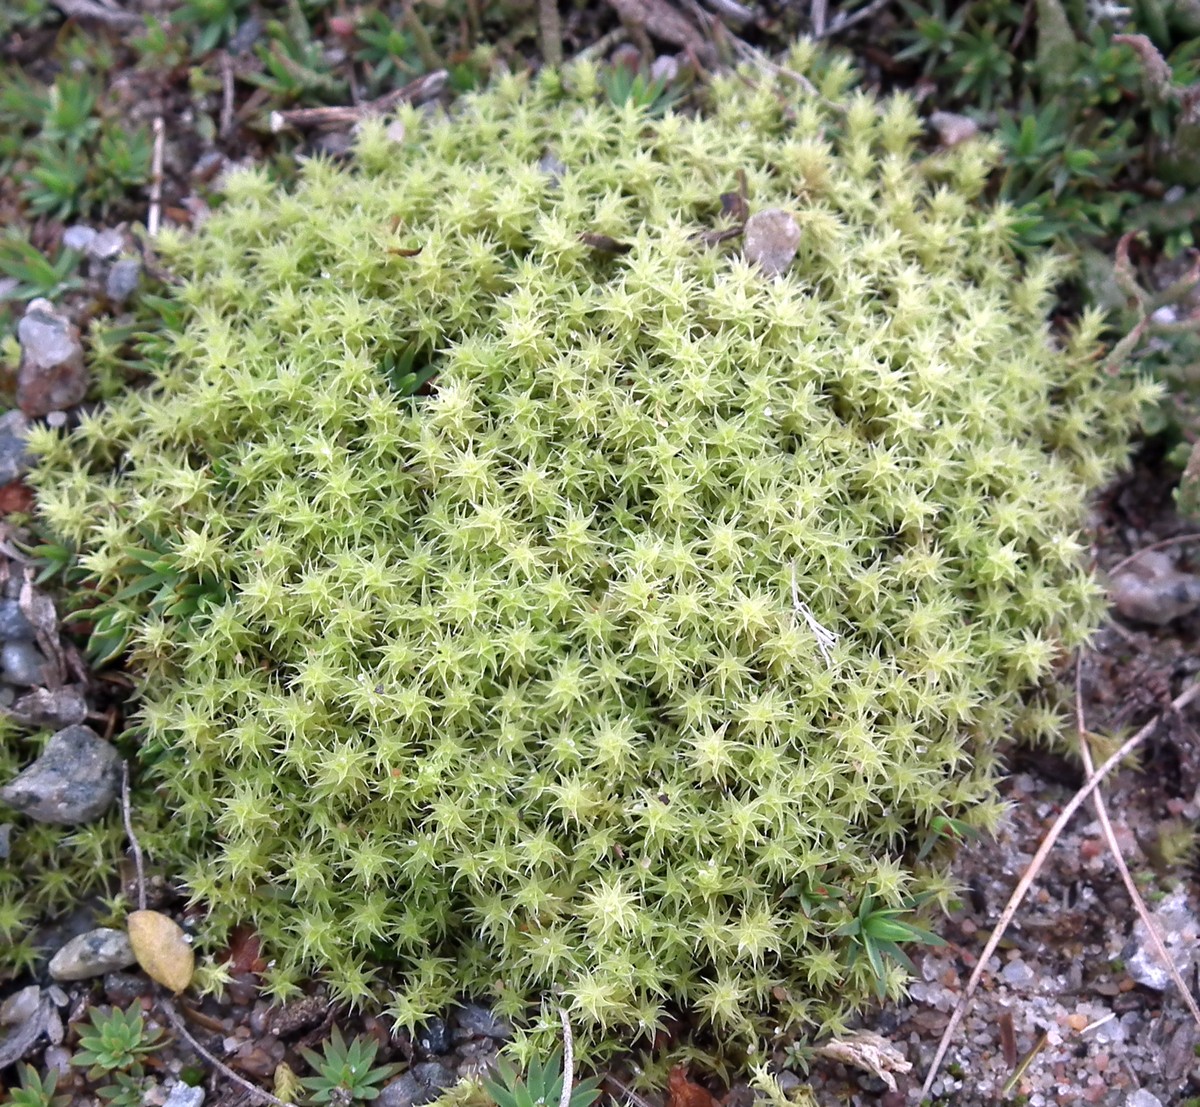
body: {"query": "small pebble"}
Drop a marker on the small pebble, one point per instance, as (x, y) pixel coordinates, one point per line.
(48, 707)
(952, 128)
(473, 1021)
(14, 458)
(22, 663)
(184, 1095)
(1016, 973)
(20, 1006)
(122, 988)
(5, 845)
(772, 238)
(95, 953)
(1143, 1098)
(79, 237)
(1151, 590)
(75, 780)
(1077, 1021)
(432, 1038)
(13, 624)
(123, 279)
(107, 244)
(52, 375)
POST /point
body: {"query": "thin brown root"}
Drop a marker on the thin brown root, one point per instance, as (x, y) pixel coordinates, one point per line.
(1034, 867)
(1178, 540)
(415, 92)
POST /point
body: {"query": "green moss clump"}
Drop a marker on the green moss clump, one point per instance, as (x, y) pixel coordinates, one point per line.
(518, 687)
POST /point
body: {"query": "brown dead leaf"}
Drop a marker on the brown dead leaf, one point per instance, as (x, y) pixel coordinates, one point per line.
(605, 244)
(161, 949)
(682, 1092)
(870, 1052)
(15, 496)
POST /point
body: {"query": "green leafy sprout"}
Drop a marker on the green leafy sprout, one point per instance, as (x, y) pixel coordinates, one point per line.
(36, 1090)
(345, 1072)
(541, 1086)
(115, 1042)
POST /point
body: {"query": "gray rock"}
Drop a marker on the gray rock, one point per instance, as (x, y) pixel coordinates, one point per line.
(75, 780)
(1017, 973)
(184, 1095)
(1151, 590)
(951, 128)
(420, 1085)
(405, 1092)
(24, 1036)
(1180, 933)
(473, 1021)
(772, 238)
(22, 663)
(5, 834)
(13, 624)
(1142, 1098)
(92, 954)
(122, 988)
(123, 279)
(52, 375)
(107, 244)
(14, 459)
(20, 1006)
(432, 1038)
(49, 707)
(434, 1075)
(79, 237)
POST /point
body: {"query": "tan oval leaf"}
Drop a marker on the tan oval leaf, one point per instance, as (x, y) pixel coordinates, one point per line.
(161, 949)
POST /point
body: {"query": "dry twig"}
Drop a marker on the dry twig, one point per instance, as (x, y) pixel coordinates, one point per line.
(1178, 540)
(1026, 882)
(415, 92)
(156, 178)
(550, 32)
(849, 19)
(568, 1059)
(1115, 849)
(101, 13)
(134, 844)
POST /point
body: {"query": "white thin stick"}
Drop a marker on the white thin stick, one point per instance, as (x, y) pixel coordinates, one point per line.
(1039, 859)
(817, 17)
(156, 178)
(825, 637)
(134, 844)
(568, 1059)
(1115, 849)
(851, 18)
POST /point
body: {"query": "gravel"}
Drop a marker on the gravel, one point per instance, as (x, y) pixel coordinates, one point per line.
(95, 953)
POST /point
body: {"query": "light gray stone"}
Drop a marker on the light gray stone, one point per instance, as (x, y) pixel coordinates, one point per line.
(20, 1006)
(184, 1095)
(92, 954)
(1151, 590)
(1180, 934)
(14, 458)
(52, 375)
(22, 663)
(13, 624)
(1142, 1098)
(74, 781)
(123, 279)
(79, 237)
(47, 707)
(107, 244)
(772, 238)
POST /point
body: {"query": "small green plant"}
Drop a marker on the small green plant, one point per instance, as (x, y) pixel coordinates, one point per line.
(541, 1086)
(345, 1072)
(628, 85)
(878, 933)
(36, 1090)
(35, 274)
(210, 22)
(115, 1042)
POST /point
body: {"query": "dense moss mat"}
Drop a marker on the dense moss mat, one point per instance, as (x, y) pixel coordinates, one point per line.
(519, 686)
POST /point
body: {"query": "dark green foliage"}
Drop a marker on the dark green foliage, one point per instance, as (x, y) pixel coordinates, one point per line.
(346, 1073)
